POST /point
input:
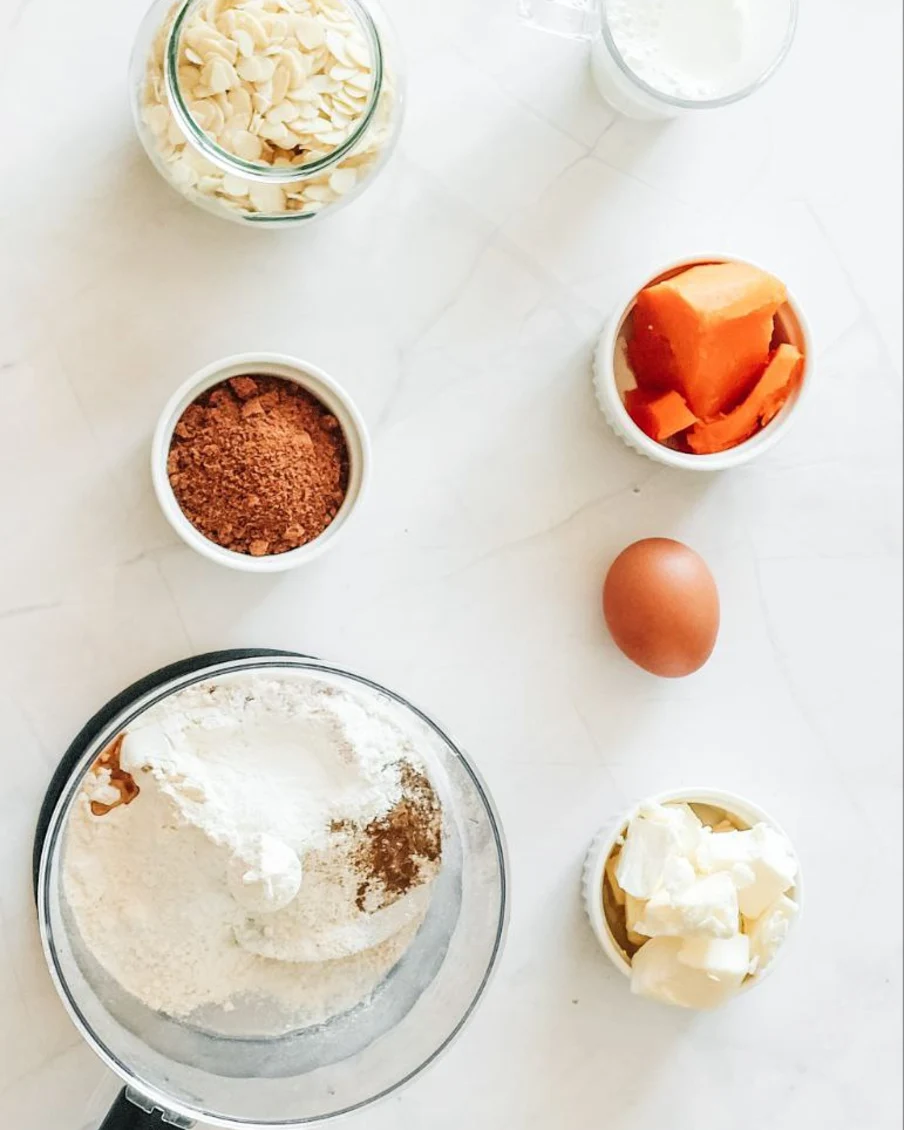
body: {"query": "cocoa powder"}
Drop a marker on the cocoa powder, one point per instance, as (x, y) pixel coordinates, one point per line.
(258, 465)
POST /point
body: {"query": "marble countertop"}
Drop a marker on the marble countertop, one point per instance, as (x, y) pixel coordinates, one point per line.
(459, 301)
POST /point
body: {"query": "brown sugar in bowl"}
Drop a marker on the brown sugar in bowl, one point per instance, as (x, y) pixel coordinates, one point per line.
(244, 555)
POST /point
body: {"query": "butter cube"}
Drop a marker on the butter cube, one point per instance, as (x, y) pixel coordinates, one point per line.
(634, 909)
(709, 906)
(611, 874)
(770, 932)
(655, 836)
(722, 851)
(761, 863)
(775, 869)
(657, 973)
(726, 959)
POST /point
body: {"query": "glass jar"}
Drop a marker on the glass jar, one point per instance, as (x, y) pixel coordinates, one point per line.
(252, 113)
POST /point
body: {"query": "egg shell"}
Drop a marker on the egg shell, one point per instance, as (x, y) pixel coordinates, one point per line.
(661, 605)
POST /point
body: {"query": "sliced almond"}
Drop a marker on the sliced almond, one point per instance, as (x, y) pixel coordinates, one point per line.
(282, 112)
(268, 198)
(359, 52)
(247, 146)
(343, 181)
(256, 69)
(309, 32)
(219, 76)
(282, 81)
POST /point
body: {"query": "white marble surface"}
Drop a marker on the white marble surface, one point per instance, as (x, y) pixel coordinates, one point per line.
(458, 301)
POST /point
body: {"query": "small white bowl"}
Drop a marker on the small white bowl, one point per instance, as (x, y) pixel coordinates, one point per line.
(319, 385)
(609, 390)
(741, 811)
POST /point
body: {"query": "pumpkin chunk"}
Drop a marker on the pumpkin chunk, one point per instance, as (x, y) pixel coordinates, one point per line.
(659, 416)
(762, 405)
(706, 333)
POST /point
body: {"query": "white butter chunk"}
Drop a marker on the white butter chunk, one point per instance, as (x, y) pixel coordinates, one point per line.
(770, 932)
(611, 868)
(657, 973)
(708, 906)
(655, 836)
(723, 851)
(761, 863)
(678, 874)
(688, 827)
(775, 868)
(634, 911)
(726, 959)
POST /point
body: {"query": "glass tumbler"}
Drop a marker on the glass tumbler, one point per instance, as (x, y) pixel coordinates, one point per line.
(631, 88)
(295, 138)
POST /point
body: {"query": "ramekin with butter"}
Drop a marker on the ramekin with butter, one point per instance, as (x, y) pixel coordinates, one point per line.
(693, 895)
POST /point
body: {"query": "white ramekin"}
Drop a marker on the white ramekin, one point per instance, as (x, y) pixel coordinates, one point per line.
(319, 385)
(609, 394)
(743, 811)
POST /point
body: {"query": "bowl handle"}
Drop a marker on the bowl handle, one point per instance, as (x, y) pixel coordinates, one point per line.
(129, 1113)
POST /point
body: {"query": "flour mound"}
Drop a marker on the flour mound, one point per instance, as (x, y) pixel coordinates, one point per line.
(244, 861)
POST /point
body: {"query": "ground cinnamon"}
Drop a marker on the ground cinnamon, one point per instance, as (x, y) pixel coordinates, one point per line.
(259, 465)
(397, 846)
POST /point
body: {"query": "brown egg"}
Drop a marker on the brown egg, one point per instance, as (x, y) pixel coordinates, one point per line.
(662, 607)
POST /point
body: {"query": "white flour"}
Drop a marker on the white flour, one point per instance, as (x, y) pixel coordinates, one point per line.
(234, 872)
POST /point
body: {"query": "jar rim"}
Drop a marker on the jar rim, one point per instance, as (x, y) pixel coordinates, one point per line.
(252, 170)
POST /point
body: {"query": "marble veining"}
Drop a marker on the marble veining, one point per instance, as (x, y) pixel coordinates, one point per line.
(459, 301)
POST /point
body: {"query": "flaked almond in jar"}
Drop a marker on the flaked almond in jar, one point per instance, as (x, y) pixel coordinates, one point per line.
(267, 111)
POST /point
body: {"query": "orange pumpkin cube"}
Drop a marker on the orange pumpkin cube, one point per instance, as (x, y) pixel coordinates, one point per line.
(706, 333)
(762, 405)
(660, 416)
